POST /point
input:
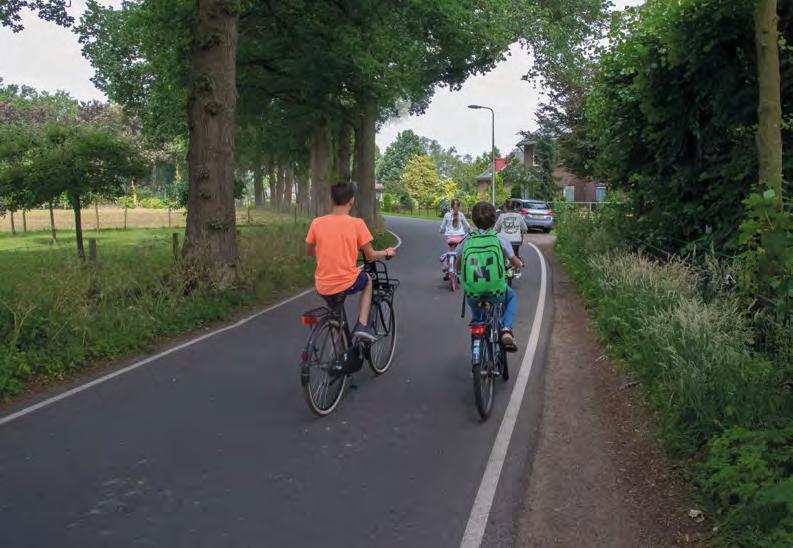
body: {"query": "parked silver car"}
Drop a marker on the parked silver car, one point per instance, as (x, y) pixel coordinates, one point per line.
(537, 214)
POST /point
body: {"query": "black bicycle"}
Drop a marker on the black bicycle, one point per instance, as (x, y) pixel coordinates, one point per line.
(331, 354)
(488, 356)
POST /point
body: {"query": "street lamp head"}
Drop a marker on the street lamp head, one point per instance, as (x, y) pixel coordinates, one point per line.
(475, 106)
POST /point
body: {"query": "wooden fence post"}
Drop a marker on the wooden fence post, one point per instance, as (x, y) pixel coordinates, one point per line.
(169, 217)
(175, 243)
(92, 249)
(249, 213)
(96, 211)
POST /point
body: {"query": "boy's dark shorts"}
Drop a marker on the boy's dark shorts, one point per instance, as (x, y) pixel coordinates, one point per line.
(359, 285)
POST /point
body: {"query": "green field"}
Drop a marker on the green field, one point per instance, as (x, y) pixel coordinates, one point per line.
(59, 314)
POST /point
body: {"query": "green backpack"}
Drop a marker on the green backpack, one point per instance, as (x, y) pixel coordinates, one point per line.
(483, 273)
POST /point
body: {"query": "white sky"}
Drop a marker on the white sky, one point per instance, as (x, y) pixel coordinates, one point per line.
(48, 57)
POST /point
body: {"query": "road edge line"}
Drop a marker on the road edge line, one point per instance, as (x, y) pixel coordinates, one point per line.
(109, 376)
(480, 511)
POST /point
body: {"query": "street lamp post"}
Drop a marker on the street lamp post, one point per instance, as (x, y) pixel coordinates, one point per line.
(492, 149)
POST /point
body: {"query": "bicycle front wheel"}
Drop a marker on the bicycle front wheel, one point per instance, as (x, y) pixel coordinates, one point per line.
(325, 386)
(484, 381)
(384, 323)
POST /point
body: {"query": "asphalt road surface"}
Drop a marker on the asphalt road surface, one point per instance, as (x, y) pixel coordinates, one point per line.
(212, 445)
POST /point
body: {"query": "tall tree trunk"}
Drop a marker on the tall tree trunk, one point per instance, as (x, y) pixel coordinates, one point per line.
(364, 164)
(78, 225)
(52, 224)
(271, 182)
(13, 224)
(24, 222)
(210, 237)
(769, 107)
(302, 194)
(279, 187)
(289, 184)
(320, 159)
(258, 184)
(343, 153)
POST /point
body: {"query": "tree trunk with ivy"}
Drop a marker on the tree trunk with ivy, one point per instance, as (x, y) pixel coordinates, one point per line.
(271, 182)
(279, 187)
(258, 184)
(365, 131)
(210, 238)
(343, 152)
(320, 163)
(289, 184)
(769, 107)
(77, 206)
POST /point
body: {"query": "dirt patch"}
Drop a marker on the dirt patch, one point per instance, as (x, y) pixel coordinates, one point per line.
(599, 476)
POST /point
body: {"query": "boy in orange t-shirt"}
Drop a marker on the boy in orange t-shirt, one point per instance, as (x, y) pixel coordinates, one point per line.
(335, 240)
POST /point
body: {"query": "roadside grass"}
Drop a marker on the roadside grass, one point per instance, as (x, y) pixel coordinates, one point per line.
(38, 220)
(59, 314)
(720, 403)
(417, 214)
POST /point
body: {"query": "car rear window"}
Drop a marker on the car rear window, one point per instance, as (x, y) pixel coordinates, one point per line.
(535, 205)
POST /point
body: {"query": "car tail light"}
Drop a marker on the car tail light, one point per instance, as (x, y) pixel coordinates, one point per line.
(304, 356)
(550, 212)
(478, 329)
(308, 320)
(524, 211)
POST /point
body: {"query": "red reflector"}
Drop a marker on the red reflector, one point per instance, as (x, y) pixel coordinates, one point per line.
(308, 320)
(304, 356)
(478, 329)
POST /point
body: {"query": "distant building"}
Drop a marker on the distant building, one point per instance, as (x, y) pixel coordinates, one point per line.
(572, 187)
(483, 181)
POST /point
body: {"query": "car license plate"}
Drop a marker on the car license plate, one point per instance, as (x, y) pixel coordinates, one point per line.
(536, 216)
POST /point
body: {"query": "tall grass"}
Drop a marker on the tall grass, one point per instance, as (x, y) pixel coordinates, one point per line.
(690, 343)
(59, 314)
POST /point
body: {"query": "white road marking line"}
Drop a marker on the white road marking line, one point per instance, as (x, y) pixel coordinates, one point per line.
(141, 363)
(480, 512)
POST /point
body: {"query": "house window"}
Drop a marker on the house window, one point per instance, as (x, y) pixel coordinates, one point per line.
(569, 193)
(600, 193)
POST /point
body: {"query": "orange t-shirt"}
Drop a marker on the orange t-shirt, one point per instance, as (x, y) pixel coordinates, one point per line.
(337, 239)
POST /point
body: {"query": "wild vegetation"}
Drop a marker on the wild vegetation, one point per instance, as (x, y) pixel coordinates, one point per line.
(721, 399)
(684, 111)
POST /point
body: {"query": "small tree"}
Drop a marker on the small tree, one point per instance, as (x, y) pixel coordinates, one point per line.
(421, 181)
(77, 160)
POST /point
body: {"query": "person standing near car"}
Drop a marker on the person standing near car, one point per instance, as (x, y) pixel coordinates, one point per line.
(512, 226)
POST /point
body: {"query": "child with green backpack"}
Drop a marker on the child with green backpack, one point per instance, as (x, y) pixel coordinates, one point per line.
(481, 261)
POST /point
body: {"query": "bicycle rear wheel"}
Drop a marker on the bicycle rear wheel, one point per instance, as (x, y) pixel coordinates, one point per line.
(484, 381)
(384, 323)
(325, 387)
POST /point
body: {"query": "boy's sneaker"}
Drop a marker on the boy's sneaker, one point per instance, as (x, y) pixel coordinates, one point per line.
(364, 332)
(508, 340)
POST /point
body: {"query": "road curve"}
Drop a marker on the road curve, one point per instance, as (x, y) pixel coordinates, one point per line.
(213, 445)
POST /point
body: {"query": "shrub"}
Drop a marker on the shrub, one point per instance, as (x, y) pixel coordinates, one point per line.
(152, 203)
(389, 201)
(748, 478)
(125, 201)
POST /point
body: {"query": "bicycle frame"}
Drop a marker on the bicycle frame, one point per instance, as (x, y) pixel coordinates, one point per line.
(485, 331)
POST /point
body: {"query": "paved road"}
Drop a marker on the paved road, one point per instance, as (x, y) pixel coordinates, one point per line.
(213, 445)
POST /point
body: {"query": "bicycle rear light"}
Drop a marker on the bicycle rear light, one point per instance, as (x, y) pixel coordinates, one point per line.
(478, 329)
(304, 356)
(308, 320)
